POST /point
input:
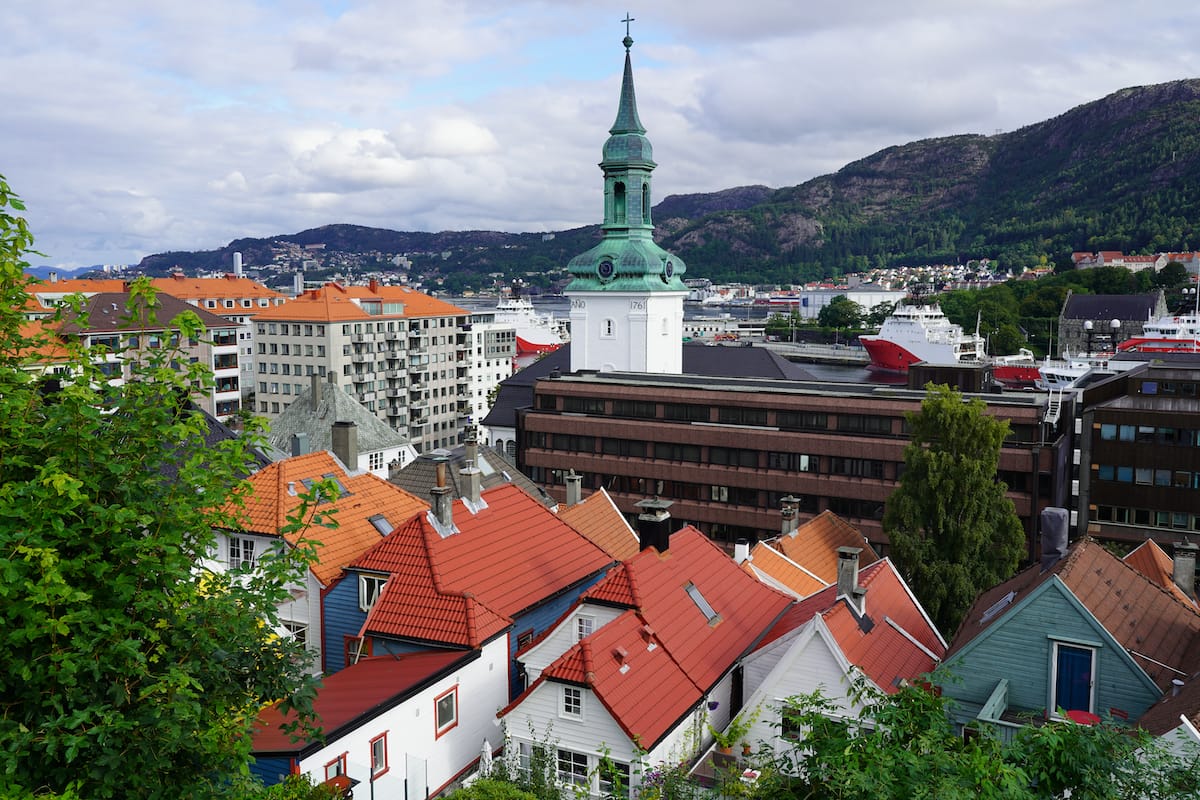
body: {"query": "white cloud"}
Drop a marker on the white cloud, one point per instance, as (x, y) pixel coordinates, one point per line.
(140, 126)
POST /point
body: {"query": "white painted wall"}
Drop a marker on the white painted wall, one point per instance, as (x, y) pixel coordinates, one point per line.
(411, 731)
(563, 636)
(646, 336)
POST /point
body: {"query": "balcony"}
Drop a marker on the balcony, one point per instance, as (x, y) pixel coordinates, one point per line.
(359, 337)
(396, 393)
(393, 373)
(360, 358)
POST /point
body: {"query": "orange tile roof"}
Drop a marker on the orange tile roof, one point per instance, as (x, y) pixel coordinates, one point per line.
(269, 501)
(80, 285)
(769, 565)
(330, 303)
(1153, 562)
(1139, 613)
(505, 558)
(655, 584)
(230, 286)
(598, 518)
(900, 641)
(335, 303)
(47, 348)
(814, 545)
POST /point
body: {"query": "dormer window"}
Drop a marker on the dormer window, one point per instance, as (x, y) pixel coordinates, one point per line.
(584, 626)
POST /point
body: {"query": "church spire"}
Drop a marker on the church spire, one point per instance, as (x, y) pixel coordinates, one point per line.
(627, 116)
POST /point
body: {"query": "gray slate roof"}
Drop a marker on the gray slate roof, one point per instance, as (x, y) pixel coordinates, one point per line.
(420, 476)
(334, 404)
(1129, 307)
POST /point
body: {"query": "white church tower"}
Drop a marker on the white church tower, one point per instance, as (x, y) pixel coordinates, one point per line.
(627, 292)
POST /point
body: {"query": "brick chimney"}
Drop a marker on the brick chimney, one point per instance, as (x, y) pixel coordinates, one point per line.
(847, 577)
(654, 524)
(574, 488)
(1184, 558)
(345, 443)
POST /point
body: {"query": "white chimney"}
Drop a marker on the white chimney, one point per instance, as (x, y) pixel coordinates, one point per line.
(237, 264)
(741, 551)
(574, 488)
(847, 577)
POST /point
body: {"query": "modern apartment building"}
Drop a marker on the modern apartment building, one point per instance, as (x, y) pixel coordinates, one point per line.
(110, 323)
(234, 297)
(491, 348)
(401, 353)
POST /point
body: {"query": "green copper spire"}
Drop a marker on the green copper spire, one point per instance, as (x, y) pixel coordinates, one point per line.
(627, 259)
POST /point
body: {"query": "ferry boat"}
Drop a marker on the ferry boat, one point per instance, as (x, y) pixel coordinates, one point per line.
(1178, 333)
(921, 333)
(536, 333)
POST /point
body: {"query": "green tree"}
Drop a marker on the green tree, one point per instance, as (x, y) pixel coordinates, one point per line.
(130, 670)
(952, 530)
(1171, 276)
(904, 746)
(840, 312)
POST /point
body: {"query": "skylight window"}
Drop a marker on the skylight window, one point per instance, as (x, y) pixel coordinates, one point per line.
(381, 524)
(997, 607)
(705, 608)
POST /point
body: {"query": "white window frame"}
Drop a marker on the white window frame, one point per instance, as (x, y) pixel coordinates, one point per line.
(444, 726)
(369, 589)
(585, 624)
(570, 702)
(572, 759)
(379, 755)
(239, 547)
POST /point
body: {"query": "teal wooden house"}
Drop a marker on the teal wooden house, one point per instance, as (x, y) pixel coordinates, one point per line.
(1085, 637)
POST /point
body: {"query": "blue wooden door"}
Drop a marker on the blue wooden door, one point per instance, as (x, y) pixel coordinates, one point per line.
(1073, 684)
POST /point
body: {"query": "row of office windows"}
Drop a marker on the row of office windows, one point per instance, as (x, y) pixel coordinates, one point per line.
(725, 415)
(1177, 520)
(721, 456)
(1148, 476)
(1158, 434)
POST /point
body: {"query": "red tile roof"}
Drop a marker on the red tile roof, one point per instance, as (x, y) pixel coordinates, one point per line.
(599, 519)
(464, 588)
(898, 642)
(644, 689)
(273, 495)
(1161, 631)
(347, 695)
(656, 584)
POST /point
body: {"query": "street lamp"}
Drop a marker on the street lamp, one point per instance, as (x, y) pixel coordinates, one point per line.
(1116, 330)
(1088, 326)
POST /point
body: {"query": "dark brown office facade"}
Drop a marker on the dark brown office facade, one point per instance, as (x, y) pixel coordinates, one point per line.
(1139, 454)
(727, 451)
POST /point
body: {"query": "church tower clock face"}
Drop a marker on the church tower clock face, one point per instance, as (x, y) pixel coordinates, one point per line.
(605, 269)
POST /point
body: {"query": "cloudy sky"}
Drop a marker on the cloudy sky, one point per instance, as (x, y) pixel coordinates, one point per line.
(133, 127)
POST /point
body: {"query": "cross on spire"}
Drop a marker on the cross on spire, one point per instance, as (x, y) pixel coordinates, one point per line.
(628, 19)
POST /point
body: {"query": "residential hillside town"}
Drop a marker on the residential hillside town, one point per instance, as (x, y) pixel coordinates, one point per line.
(636, 551)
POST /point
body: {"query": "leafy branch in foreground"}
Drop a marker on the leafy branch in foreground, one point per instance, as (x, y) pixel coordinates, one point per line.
(130, 670)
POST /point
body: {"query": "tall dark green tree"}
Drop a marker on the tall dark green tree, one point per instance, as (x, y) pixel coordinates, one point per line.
(130, 670)
(840, 312)
(952, 530)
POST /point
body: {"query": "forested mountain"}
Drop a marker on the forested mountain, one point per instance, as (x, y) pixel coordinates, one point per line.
(1121, 173)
